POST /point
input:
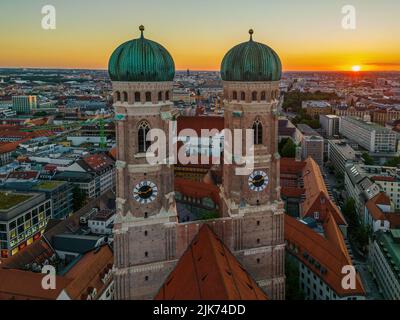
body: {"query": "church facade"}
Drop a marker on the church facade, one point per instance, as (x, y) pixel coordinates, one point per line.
(149, 239)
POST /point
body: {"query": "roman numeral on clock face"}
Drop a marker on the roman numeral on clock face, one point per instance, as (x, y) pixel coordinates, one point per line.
(145, 192)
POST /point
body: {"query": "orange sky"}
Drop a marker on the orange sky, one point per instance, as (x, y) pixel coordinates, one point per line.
(307, 34)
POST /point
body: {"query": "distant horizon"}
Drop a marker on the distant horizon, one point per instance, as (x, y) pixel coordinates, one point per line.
(199, 70)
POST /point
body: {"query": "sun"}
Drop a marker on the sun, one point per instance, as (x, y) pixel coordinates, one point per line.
(356, 68)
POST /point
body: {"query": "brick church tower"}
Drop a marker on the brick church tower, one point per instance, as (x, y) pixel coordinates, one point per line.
(149, 239)
(142, 72)
(251, 72)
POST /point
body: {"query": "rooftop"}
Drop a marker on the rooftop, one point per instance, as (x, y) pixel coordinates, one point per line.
(390, 244)
(9, 200)
(368, 125)
(49, 185)
(209, 271)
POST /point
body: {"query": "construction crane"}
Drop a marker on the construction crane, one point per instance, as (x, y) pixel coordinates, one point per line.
(103, 140)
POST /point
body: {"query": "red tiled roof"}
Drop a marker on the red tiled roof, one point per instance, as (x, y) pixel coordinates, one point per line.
(209, 271)
(98, 162)
(88, 273)
(198, 123)
(26, 285)
(315, 193)
(374, 210)
(23, 175)
(329, 252)
(197, 190)
(383, 178)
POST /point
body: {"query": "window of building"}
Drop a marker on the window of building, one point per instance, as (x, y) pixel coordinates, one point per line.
(143, 130)
(254, 96)
(148, 96)
(242, 96)
(234, 95)
(258, 132)
(137, 96)
(125, 96)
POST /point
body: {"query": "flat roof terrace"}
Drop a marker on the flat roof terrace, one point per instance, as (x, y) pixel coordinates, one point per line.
(13, 203)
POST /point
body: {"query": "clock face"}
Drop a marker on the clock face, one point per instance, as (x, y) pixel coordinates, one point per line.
(145, 192)
(258, 181)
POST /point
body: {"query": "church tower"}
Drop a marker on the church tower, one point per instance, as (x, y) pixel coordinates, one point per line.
(251, 72)
(142, 73)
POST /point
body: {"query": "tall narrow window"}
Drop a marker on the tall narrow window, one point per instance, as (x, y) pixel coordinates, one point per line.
(137, 96)
(263, 96)
(258, 132)
(254, 96)
(143, 130)
(234, 95)
(124, 96)
(160, 96)
(242, 96)
(148, 96)
(117, 96)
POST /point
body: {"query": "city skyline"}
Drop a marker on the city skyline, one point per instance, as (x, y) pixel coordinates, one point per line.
(309, 36)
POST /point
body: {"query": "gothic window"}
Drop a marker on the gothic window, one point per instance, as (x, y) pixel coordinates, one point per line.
(124, 96)
(160, 96)
(137, 96)
(263, 96)
(117, 96)
(234, 95)
(258, 132)
(143, 130)
(242, 96)
(254, 96)
(148, 96)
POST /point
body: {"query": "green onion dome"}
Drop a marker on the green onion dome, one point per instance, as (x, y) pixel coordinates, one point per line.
(141, 60)
(251, 62)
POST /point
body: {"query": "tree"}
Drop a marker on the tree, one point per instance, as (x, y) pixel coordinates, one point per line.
(289, 149)
(395, 162)
(79, 198)
(293, 290)
(358, 231)
(368, 159)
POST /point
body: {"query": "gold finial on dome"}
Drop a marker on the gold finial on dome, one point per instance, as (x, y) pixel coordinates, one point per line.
(141, 28)
(251, 32)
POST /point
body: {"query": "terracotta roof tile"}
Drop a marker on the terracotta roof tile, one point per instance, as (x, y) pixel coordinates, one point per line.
(327, 252)
(209, 271)
(26, 285)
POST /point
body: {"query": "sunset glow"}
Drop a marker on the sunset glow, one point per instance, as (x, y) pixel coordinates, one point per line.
(199, 34)
(356, 68)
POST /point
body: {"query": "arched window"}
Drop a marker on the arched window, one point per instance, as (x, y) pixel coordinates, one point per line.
(160, 96)
(143, 130)
(263, 96)
(258, 132)
(234, 95)
(137, 96)
(167, 96)
(117, 96)
(148, 96)
(242, 96)
(254, 96)
(124, 96)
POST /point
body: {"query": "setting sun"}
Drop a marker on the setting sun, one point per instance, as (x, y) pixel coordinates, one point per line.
(356, 68)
